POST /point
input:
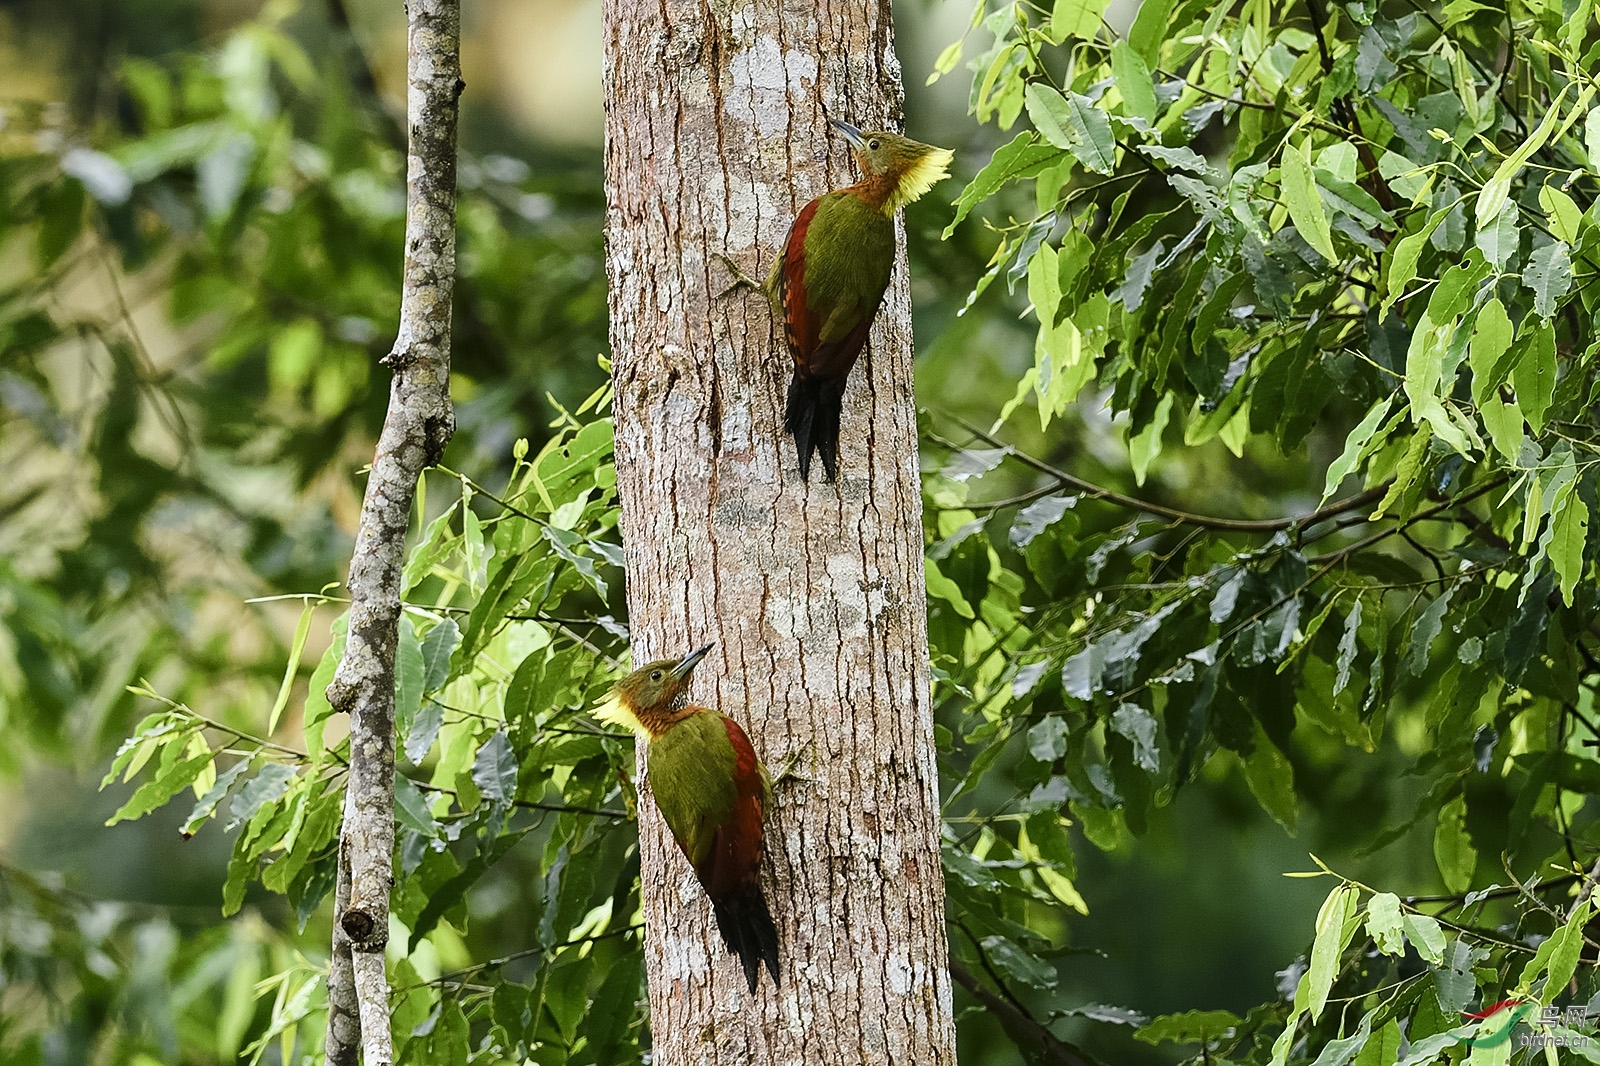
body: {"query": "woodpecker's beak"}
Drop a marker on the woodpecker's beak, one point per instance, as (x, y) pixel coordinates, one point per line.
(851, 133)
(687, 664)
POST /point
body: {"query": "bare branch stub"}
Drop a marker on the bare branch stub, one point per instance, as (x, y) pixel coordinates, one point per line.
(419, 424)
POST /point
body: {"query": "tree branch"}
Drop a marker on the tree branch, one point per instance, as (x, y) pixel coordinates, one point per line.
(1027, 1031)
(419, 424)
(1132, 503)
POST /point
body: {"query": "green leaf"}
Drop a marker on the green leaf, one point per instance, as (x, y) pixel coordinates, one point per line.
(1190, 1027)
(1018, 964)
(1425, 631)
(449, 1040)
(1405, 473)
(1503, 421)
(148, 737)
(565, 544)
(495, 769)
(1348, 198)
(1340, 1052)
(1357, 446)
(1037, 517)
(1492, 197)
(1452, 847)
(297, 648)
(1075, 124)
(1498, 241)
(1569, 533)
(1144, 446)
(1490, 344)
(266, 787)
(507, 589)
(437, 541)
(1271, 779)
(1304, 202)
(1403, 264)
(1133, 81)
(173, 777)
(946, 62)
(411, 807)
(408, 672)
(61, 213)
(1384, 923)
(206, 806)
(1549, 275)
(436, 651)
(1349, 644)
(1024, 157)
(1566, 947)
(1424, 381)
(537, 685)
(1426, 936)
(942, 588)
(1533, 374)
(318, 709)
(1078, 19)
(1047, 739)
(1382, 1049)
(1139, 727)
(424, 731)
(1149, 29)
(1334, 928)
(608, 1017)
(1566, 219)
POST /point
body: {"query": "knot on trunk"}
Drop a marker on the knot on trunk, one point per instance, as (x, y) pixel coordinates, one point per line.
(366, 933)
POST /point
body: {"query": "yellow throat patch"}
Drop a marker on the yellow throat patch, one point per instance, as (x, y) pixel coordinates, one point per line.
(610, 711)
(919, 177)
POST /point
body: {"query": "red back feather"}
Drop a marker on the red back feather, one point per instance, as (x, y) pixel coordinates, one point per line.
(799, 322)
(733, 862)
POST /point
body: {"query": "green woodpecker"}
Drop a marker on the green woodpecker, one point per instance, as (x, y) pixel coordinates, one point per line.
(831, 277)
(713, 793)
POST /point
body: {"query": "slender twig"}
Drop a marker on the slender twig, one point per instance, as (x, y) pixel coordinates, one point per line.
(457, 976)
(1028, 1031)
(534, 805)
(1459, 898)
(1132, 503)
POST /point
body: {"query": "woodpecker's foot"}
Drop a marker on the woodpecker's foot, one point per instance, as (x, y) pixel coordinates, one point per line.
(741, 280)
(786, 772)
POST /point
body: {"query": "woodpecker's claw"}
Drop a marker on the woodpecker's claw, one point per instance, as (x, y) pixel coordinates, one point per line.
(741, 280)
(786, 772)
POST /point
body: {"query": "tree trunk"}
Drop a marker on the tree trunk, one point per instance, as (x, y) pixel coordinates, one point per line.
(716, 135)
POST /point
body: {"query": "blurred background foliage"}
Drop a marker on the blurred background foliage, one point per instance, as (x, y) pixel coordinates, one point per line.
(200, 225)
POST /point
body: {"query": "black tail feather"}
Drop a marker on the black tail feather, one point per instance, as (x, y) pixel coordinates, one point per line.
(747, 929)
(812, 416)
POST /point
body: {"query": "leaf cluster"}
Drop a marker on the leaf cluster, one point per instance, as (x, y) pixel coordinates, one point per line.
(1250, 232)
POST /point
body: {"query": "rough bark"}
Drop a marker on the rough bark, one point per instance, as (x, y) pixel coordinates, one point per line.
(418, 425)
(814, 594)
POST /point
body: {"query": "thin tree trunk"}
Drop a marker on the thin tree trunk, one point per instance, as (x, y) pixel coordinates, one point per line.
(416, 429)
(716, 135)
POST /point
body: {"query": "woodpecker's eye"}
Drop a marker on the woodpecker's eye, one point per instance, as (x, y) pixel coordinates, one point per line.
(655, 675)
(873, 144)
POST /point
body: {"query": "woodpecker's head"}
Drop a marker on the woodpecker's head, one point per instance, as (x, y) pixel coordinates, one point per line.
(906, 168)
(653, 697)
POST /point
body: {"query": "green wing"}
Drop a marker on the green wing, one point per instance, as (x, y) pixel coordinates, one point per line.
(691, 771)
